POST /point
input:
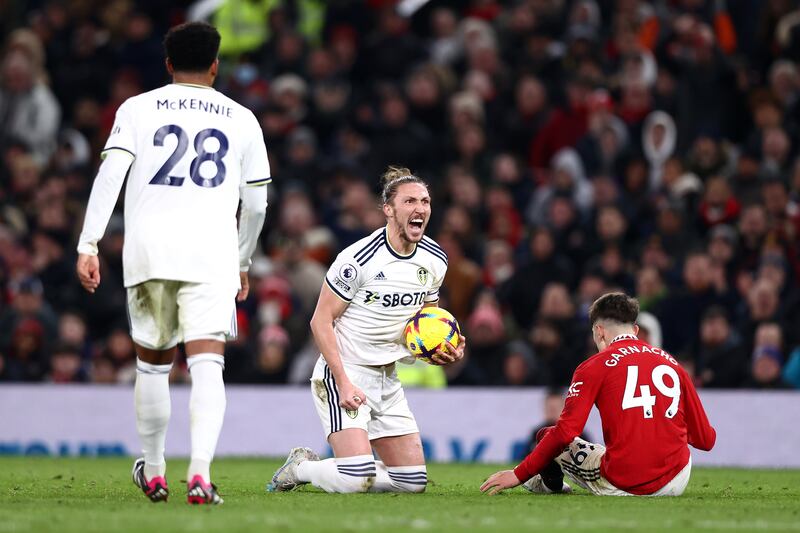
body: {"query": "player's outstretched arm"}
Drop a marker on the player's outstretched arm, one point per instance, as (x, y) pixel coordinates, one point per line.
(330, 307)
(583, 391)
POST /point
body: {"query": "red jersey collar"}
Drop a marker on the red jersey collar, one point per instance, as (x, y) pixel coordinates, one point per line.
(623, 337)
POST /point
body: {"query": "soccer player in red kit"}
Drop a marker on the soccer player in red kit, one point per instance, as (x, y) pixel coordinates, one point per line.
(649, 409)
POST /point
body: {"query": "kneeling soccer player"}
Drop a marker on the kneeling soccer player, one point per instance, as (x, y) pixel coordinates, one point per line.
(649, 409)
(372, 289)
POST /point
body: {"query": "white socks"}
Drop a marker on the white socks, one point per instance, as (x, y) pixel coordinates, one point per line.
(400, 478)
(362, 473)
(206, 411)
(153, 408)
(343, 475)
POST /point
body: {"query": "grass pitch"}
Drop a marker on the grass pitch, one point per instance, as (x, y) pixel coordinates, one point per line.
(45, 494)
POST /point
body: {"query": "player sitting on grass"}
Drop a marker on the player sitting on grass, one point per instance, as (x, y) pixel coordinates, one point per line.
(649, 409)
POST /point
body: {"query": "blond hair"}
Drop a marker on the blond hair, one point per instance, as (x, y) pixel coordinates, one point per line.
(393, 178)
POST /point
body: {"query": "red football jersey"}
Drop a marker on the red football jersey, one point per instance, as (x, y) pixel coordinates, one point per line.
(649, 409)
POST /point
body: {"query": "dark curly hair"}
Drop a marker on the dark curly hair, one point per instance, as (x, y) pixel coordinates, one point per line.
(192, 46)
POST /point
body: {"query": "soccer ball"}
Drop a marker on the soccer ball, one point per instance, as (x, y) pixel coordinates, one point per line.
(429, 329)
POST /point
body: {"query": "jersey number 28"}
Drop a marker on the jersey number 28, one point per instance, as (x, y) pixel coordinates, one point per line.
(646, 401)
(162, 177)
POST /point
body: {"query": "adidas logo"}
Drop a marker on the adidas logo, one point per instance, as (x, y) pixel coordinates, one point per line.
(380, 275)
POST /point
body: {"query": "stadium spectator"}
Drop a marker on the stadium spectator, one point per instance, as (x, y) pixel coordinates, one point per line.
(392, 48)
(103, 371)
(487, 334)
(568, 177)
(395, 136)
(753, 228)
(28, 303)
(763, 305)
(595, 144)
(681, 312)
(520, 367)
(591, 286)
(29, 112)
(243, 26)
(768, 357)
(721, 248)
(649, 329)
(722, 360)
(119, 351)
(272, 357)
(553, 361)
(659, 138)
(571, 236)
(522, 292)
(72, 331)
(529, 114)
(566, 125)
(498, 263)
(66, 365)
(426, 97)
(463, 281)
(650, 288)
(303, 273)
(557, 307)
(718, 206)
(25, 358)
(444, 46)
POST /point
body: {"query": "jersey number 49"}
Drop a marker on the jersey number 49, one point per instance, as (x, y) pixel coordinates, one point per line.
(646, 400)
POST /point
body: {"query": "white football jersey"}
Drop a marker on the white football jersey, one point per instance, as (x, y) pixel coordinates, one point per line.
(193, 147)
(384, 290)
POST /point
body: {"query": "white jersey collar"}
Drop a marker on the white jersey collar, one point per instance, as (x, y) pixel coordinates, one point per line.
(395, 252)
(624, 337)
(195, 85)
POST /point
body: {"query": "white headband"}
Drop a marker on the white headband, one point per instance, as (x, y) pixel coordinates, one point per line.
(397, 181)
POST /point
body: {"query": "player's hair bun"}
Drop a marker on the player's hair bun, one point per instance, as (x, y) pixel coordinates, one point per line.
(393, 178)
(393, 173)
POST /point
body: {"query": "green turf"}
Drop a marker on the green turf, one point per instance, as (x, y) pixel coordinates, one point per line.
(43, 494)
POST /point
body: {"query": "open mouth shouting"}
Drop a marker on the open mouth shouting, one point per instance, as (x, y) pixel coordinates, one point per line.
(416, 227)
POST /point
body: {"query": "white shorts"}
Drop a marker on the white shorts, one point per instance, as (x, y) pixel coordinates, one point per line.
(385, 412)
(580, 461)
(163, 313)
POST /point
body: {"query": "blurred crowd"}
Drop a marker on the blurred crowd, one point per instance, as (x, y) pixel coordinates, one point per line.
(573, 147)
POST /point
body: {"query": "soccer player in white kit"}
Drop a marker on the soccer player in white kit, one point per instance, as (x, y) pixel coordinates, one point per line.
(372, 289)
(191, 154)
